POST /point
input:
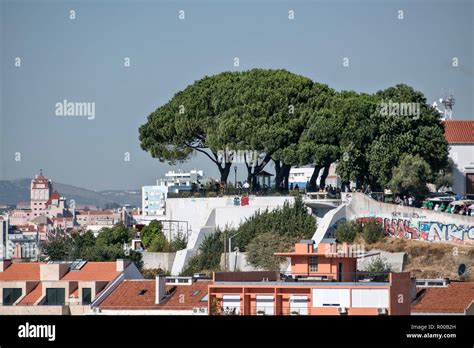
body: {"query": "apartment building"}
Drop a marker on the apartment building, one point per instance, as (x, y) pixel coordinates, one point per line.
(59, 288)
(160, 296)
(323, 281)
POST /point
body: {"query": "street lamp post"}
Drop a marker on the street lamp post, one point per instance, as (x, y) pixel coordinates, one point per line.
(235, 177)
(230, 247)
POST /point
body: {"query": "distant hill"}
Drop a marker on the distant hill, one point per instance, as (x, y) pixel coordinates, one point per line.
(14, 191)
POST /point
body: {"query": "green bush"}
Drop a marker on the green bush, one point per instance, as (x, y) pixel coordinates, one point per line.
(291, 220)
(261, 249)
(185, 194)
(197, 194)
(208, 257)
(211, 194)
(346, 231)
(372, 231)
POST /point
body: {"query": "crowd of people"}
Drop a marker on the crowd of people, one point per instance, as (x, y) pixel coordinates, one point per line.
(446, 207)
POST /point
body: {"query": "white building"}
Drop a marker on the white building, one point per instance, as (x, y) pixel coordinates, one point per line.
(460, 136)
(301, 175)
(153, 197)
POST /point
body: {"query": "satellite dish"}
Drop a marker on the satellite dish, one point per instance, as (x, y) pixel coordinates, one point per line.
(441, 100)
(462, 270)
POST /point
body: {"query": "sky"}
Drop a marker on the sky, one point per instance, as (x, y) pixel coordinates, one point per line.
(83, 60)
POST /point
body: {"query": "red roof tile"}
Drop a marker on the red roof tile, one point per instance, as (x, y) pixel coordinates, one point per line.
(94, 271)
(21, 271)
(33, 296)
(140, 294)
(455, 298)
(459, 132)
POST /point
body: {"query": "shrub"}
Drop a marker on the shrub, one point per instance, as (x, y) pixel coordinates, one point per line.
(292, 220)
(372, 231)
(211, 194)
(185, 194)
(261, 249)
(197, 194)
(378, 267)
(208, 257)
(346, 231)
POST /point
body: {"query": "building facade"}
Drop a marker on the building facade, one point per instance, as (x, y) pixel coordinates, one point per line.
(323, 281)
(460, 137)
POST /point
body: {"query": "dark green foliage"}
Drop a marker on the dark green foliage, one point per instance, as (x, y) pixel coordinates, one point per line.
(261, 249)
(347, 231)
(86, 247)
(154, 240)
(292, 220)
(372, 231)
(208, 257)
(117, 235)
(410, 176)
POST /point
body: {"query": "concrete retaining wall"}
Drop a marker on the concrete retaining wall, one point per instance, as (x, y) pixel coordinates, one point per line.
(158, 260)
(412, 223)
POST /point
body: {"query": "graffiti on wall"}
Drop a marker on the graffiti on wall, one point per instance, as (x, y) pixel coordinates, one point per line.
(402, 227)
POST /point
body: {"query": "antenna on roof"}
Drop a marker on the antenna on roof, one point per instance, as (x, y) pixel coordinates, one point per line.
(448, 103)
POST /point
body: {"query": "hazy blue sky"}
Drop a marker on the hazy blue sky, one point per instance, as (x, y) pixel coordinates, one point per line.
(82, 60)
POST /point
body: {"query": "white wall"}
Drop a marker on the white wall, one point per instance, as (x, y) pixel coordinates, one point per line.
(463, 157)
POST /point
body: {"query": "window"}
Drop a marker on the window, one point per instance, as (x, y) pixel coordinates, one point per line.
(313, 263)
(86, 296)
(55, 297)
(197, 292)
(10, 295)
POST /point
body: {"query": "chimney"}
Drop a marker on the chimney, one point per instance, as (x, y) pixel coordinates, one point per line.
(4, 264)
(160, 289)
(53, 271)
(121, 264)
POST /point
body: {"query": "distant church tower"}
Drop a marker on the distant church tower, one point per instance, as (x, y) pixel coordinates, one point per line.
(41, 189)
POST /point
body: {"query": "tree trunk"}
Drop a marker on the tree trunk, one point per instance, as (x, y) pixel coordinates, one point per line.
(314, 177)
(324, 175)
(224, 171)
(285, 169)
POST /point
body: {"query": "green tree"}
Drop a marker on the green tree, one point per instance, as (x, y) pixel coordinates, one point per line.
(378, 267)
(346, 231)
(372, 231)
(117, 235)
(402, 133)
(444, 178)
(261, 249)
(410, 176)
(148, 233)
(208, 256)
(257, 110)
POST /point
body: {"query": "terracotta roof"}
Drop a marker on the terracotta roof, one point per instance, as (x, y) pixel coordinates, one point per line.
(33, 296)
(94, 271)
(22, 271)
(455, 298)
(459, 132)
(140, 294)
(54, 195)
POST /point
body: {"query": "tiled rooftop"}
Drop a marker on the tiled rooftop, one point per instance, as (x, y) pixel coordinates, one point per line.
(459, 132)
(94, 271)
(140, 294)
(454, 298)
(21, 271)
